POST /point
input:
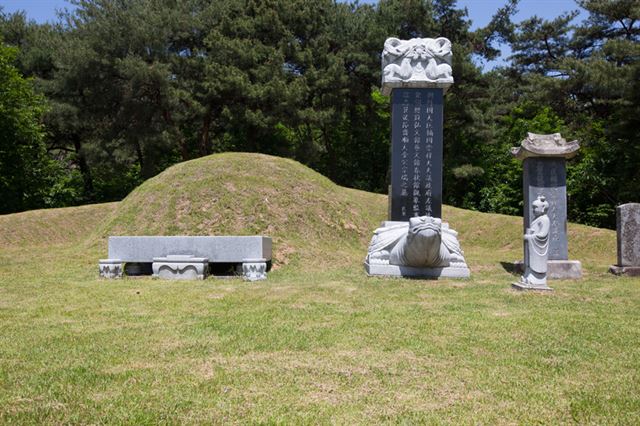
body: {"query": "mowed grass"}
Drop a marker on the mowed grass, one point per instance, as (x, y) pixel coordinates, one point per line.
(318, 342)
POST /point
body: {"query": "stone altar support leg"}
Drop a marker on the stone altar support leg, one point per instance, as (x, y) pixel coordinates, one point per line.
(180, 267)
(254, 269)
(110, 268)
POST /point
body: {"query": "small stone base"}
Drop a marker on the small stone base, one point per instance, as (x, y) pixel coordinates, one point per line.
(110, 268)
(630, 271)
(528, 287)
(413, 272)
(180, 267)
(254, 269)
(557, 269)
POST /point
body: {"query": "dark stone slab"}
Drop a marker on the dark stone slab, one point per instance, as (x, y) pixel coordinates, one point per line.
(630, 271)
(547, 176)
(628, 232)
(416, 153)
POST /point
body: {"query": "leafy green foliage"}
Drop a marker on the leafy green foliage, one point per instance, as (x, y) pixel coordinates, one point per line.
(29, 178)
(589, 75)
(134, 87)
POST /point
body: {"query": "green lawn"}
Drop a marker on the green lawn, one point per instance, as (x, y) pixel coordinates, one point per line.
(327, 346)
(318, 342)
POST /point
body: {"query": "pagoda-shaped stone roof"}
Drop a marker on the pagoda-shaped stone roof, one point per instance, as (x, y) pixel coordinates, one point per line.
(553, 145)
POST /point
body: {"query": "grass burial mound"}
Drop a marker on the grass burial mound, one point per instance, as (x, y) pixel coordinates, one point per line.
(318, 342)
(312, 221)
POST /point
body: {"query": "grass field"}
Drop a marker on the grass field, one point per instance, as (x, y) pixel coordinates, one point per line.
(318, 342)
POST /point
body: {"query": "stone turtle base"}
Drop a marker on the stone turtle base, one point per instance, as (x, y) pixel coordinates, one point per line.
(413, 272)
(557, 269)
(630, 271)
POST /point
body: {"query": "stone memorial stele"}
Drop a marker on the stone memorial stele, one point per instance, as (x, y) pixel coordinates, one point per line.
(544, 160)
(536, 249)
(628, 238)
(415, 242)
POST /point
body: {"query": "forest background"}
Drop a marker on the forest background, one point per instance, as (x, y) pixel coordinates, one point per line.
(115, 91)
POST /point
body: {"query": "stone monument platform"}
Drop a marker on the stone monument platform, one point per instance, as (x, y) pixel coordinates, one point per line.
(186, 257)
(453, 271)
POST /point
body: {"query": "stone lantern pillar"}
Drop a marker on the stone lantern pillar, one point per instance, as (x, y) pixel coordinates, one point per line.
(544, 159)
(415, 241)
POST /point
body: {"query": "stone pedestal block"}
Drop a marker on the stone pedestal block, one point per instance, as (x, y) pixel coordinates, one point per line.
(557, 269)
(453, 271)
(630, 271)
(254, 269)
(110, 268)
(528, 287)
(180, 267)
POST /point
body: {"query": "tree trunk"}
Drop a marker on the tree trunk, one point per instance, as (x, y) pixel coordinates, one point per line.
(145, 173)
(87, 180)
(205, 140)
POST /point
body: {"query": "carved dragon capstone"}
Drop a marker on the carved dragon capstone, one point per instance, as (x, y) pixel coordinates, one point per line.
(423, 242)
(419, 62)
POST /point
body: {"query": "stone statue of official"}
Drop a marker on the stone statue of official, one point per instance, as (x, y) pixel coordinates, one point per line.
(536, 249)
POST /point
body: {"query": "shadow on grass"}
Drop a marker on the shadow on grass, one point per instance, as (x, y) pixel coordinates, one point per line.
(510, 267)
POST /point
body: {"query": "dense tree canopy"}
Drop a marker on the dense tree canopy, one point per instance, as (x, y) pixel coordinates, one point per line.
(127, 88)
(29, 178)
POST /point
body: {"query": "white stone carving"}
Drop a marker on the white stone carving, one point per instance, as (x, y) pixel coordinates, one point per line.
(110, 268)
(536, 249)
(180, 267)
(254, 269)
(419, 62)
(424, 246)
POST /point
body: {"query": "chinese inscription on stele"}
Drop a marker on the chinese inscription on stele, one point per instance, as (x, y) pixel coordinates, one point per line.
(416, 170)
